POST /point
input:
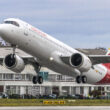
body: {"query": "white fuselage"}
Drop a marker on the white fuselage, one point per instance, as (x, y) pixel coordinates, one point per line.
(47, 50)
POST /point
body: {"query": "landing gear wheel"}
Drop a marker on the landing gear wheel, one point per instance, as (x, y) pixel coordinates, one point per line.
(78, 79)
(35, 79)
(84, 79)
(40, 79)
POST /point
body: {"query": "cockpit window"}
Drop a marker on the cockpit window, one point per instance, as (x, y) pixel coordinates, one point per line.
(12, 22)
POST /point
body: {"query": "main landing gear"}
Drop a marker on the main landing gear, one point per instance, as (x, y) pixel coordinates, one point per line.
(14, 49)
(37, 79)
(80, 79)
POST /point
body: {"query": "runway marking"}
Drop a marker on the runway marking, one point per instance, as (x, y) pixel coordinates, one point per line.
(57, 108)
(59, 102)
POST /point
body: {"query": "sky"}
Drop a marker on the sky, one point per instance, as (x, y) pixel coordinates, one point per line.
(78, 23)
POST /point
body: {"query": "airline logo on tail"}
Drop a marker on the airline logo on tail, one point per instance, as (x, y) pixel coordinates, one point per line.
(108, 52)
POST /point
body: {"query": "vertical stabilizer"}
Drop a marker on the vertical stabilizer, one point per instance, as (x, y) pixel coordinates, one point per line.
(107, 64)
(108, 52)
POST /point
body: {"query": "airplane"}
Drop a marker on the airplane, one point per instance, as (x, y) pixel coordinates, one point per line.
(51, 53)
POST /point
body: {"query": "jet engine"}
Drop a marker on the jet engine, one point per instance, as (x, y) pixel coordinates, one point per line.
(14, 63)
(80, 61)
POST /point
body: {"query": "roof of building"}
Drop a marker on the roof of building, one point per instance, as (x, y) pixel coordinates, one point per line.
(95, 51)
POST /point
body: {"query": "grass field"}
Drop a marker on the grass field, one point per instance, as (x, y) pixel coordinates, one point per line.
(40, 102)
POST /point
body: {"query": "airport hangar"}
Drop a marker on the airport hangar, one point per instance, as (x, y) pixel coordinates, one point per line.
(54, 83)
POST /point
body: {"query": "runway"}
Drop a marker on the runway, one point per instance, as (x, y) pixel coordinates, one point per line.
(58, 108)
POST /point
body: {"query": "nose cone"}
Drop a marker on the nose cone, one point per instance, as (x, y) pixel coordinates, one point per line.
(6, 33)
(2, 30)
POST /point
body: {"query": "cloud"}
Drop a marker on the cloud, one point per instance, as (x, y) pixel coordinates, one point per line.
(72, 21)
(85, 41)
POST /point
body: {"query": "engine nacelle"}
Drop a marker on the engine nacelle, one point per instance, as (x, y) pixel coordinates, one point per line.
(14, 63)
(80, 61)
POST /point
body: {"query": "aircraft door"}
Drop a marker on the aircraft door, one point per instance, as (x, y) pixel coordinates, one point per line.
(26, 29)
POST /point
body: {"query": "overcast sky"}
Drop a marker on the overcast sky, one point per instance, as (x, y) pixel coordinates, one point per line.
(78, 23)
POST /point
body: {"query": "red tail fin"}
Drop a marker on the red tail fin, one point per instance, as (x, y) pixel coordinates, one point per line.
(108, 52)
(107, 64)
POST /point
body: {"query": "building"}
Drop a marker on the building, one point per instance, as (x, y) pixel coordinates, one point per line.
(54, 83)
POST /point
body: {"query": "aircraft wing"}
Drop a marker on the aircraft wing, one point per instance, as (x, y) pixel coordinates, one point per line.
(25, 58)
(97, 59)
(28, 58)
(65, 59)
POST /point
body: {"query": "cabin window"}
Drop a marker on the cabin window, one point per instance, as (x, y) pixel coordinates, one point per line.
(12, 22)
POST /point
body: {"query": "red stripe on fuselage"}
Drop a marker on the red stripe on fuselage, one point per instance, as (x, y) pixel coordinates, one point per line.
(106, 79)
(38, 31)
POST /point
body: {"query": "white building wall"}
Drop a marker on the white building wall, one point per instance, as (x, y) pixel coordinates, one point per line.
(86, 91)
(22, 90)
(78, 90)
